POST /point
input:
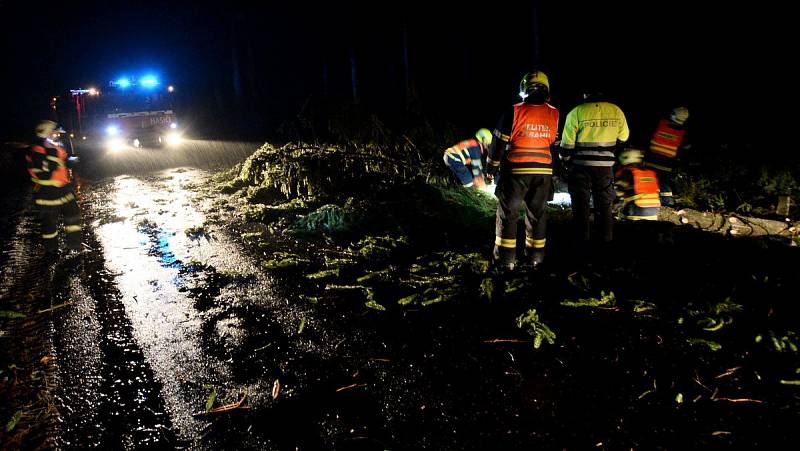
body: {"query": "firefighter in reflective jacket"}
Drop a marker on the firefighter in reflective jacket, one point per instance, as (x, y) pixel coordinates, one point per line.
(592, 131)
(521, 153)
(53, 191)
(464, 158)
(662, 154)
(637, 187)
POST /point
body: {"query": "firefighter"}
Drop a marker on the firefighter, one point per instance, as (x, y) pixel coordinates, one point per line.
(53, 192)
(521, 154)
(662, 154)
(464, 159)
(637, 187)
(592, 131)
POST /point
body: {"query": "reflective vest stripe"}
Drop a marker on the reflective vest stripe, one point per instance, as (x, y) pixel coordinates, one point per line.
(73, 228)
(55, 202)
(61, 163)
(663, 150)
(509, 243)
(642, 218)
(596, 144)
(534, 171)
(50, 236)
(594, 163)
(518, 156)
(644, 200)
(666, 140)
(595, 153)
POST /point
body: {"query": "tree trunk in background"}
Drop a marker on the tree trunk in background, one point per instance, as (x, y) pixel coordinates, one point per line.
(406, 69)
(236, 73)
(354, 75)
(325, 80)
(535, 31)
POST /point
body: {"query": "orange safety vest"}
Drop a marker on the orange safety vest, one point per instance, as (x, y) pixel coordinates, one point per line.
(462, 150)
(55, 157)
(666, 140)
(534, 130)
(645, 188)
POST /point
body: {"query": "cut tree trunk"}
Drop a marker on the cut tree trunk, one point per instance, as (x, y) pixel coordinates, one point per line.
(730, 223)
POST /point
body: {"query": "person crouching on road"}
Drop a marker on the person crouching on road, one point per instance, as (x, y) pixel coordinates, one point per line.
(53, 191)
(521, 154)
(464, 159)
(637, 187)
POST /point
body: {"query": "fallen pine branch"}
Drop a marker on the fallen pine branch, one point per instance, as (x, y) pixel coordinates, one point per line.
(728, 372)
(739, 400)
(55, 307)
(349, 387)
(226, 408)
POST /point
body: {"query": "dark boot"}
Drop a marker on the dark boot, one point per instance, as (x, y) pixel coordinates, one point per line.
(504, 258)
(534, 256)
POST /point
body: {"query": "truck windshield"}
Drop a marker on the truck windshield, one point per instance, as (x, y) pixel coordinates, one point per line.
(118, 102)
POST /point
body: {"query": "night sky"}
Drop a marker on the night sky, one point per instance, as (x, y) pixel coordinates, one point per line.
(247, 68)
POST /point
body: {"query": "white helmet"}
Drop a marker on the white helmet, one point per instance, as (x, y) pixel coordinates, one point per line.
(629, 155)
(679, 115)
(45, 128)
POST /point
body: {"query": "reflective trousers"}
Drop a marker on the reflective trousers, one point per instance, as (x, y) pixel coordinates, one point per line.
(531, 192)
(53, 202)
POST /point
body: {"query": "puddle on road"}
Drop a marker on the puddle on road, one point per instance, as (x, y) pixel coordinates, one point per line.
(147, 248)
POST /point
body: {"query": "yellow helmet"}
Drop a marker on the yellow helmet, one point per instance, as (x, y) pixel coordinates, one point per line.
(533, 80)
(679, 115)
(45, 128)
(629, 155)
(484, 136)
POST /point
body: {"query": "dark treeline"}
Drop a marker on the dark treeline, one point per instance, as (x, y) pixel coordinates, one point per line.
(246, 68)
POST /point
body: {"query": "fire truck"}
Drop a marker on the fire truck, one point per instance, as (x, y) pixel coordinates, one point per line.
(129, 113)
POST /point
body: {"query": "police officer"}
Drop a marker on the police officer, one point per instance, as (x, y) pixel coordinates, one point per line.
(668, 139)
(592, 131)
(53, 192)
(521, 154)
(464, 159)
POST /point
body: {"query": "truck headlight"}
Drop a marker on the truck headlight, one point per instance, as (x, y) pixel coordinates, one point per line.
(115, 144)
(174, 138)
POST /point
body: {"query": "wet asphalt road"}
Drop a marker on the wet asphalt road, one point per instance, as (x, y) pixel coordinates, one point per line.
(166, 307)
(136, 364)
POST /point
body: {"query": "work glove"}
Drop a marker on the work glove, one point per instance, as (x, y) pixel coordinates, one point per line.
(492, 171)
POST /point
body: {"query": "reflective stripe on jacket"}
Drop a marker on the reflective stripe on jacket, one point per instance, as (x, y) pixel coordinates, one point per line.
(460, 151)
(534, 130)
(666, 139)
(591, 132)
(48, 165)
(645, 190)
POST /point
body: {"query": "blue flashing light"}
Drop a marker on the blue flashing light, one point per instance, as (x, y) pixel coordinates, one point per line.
(112, 130)
(123, 83)
(148, 81)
